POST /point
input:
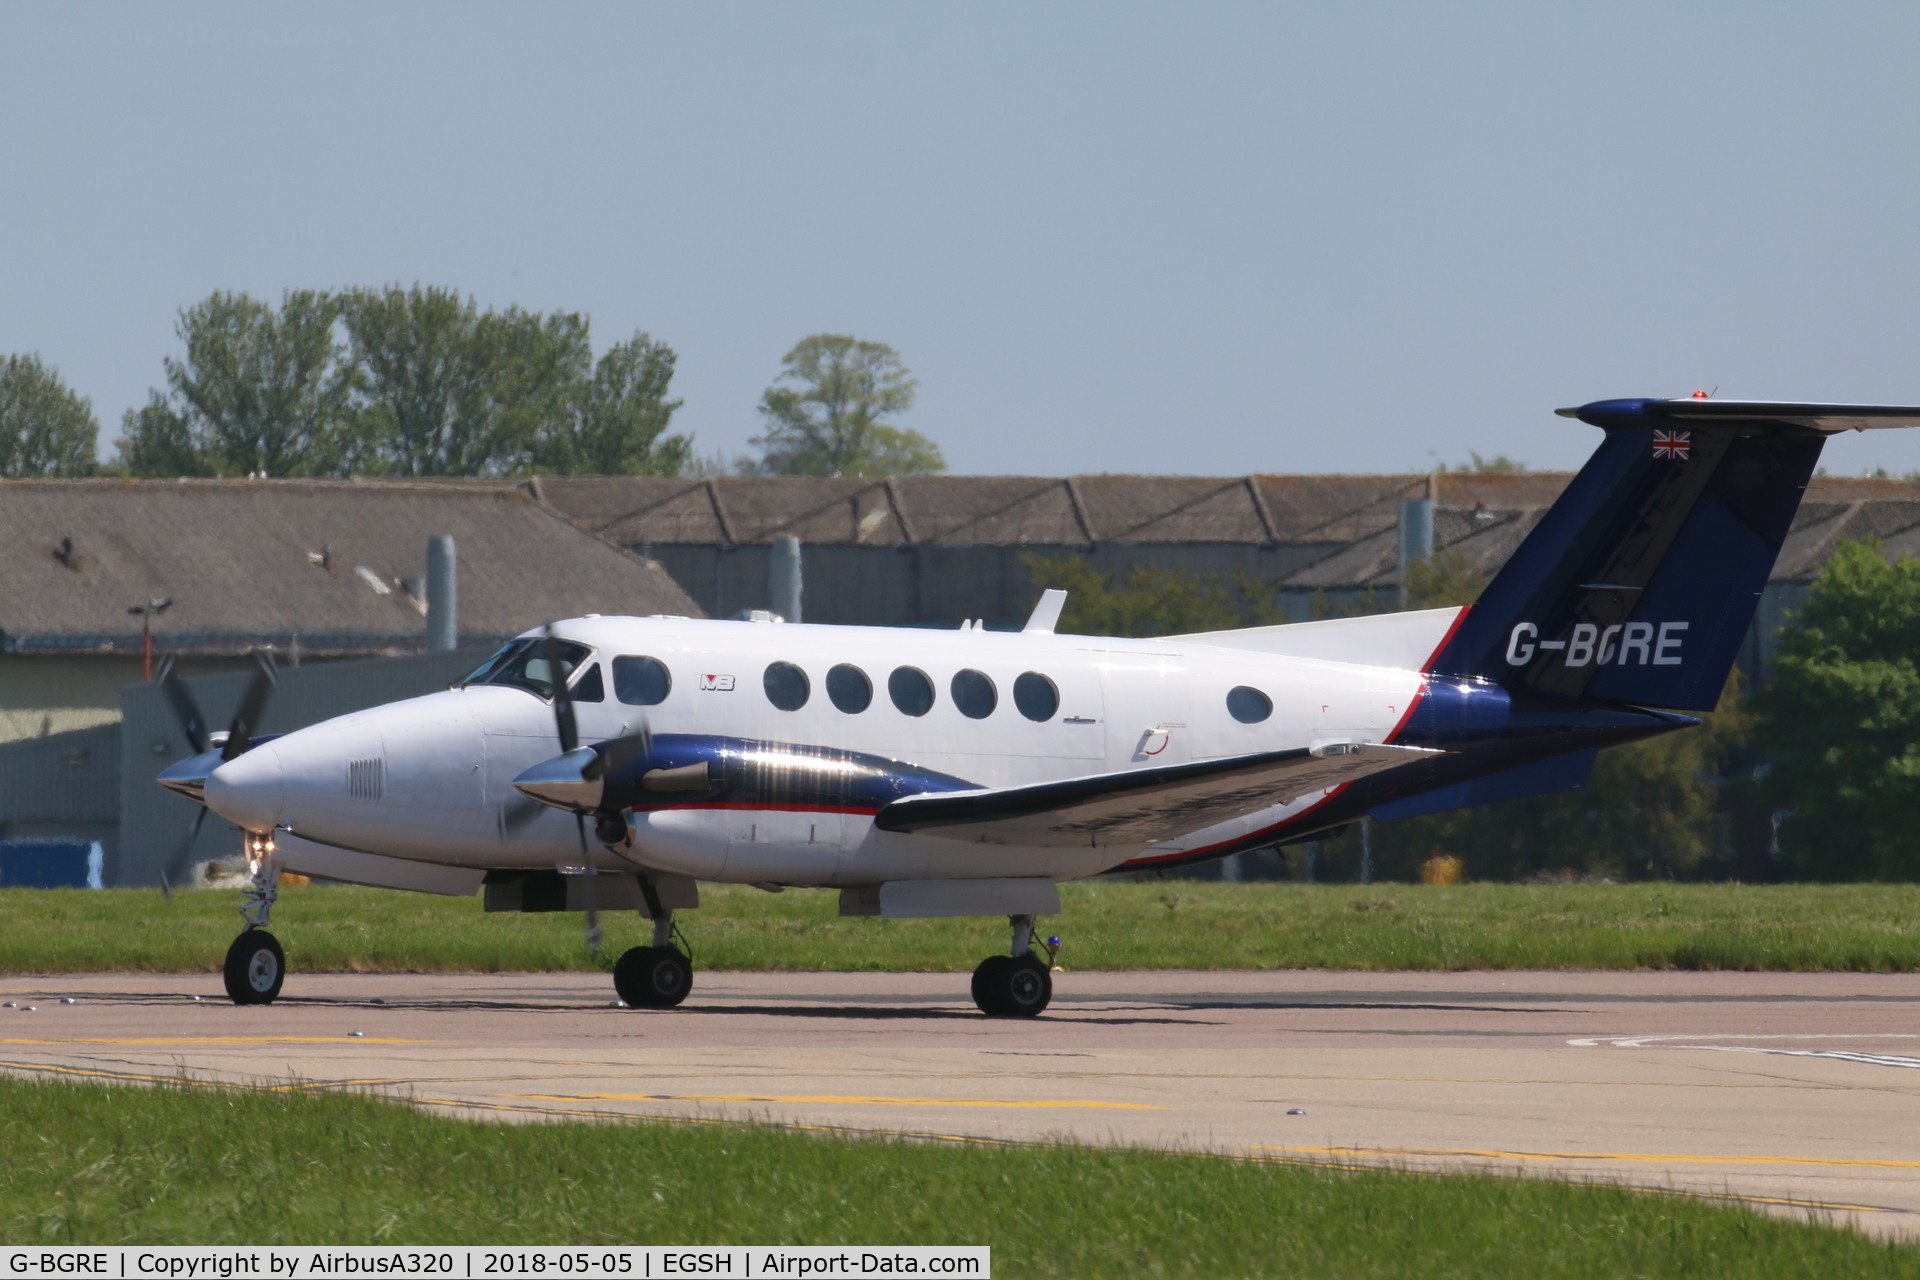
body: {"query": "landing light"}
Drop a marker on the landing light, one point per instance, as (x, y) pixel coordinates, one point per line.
(259, 847)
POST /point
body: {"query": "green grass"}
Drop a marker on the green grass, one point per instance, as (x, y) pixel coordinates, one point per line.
(1106, 925)
(94, 1164)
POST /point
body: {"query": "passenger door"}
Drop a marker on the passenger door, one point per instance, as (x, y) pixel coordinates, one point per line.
(1147, 709)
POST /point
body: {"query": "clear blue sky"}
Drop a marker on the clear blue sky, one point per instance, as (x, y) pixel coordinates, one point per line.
(1116, 237)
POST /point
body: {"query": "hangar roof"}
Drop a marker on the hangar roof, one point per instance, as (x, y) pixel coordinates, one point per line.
(337, 564)
(1350, 520)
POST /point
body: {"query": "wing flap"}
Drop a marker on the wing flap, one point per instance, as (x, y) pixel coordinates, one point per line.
(1141, 806)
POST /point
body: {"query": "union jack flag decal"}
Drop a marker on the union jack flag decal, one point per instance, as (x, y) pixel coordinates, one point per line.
(1673, 445)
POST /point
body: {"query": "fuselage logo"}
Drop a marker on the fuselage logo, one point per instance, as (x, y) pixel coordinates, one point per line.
(716, 684)
(1637, 644)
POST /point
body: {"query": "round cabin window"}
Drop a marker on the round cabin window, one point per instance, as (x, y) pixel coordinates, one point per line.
(787, 686)
(974, 694)
(910, 690)
(849, 689)
(641, 682)
(1036, 696)
(1248, 705)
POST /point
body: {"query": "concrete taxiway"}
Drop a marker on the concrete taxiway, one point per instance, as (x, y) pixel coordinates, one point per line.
(1786, 1090)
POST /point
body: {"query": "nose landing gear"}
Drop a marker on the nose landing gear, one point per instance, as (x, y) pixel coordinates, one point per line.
(1019, 985)
(255, 965)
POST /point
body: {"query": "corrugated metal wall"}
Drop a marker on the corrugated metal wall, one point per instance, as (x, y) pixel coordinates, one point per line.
(63, 778)
(937, 585)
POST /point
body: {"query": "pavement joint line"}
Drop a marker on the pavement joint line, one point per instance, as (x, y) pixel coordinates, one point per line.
(611, 1065)
(191, 1040)
(839, 1099)
(1630, 1157)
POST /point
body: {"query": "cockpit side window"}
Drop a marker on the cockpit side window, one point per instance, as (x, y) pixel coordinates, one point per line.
(479, 674)
(531, 664)
(590, 687)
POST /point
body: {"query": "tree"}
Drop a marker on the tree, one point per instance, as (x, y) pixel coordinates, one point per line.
(45, 429)
(259, 392)
(1441, 579)
(442, 388)
(827, 418)
(616, 420)
(158, 441)
(410, 382)
(1841, 721)
(1151, 600)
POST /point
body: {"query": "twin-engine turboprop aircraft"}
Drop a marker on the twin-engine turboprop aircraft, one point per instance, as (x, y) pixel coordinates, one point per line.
(612, 763)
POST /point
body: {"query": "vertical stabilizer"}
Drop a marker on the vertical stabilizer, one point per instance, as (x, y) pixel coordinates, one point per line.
(1641, 580)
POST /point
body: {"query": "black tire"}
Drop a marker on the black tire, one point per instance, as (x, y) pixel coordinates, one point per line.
(1028, 987)
(1012, 986)
(987, 981)
(653, 977)
(255, 968)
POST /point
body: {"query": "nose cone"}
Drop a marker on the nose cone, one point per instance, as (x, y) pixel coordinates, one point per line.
(249, 790)
(562, 781)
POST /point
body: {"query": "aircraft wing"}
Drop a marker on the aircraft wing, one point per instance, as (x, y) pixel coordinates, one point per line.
(1141, 806)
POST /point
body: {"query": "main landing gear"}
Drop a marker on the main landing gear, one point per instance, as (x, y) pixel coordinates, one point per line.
(659, 976)
(1017, 985)
(256, 966)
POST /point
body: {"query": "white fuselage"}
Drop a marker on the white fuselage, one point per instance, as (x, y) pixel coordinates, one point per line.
(430, 779)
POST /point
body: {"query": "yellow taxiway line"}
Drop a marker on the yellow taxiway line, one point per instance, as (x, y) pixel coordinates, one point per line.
(1628, 1157)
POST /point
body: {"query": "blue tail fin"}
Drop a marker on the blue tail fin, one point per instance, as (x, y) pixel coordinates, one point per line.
(1640, 582)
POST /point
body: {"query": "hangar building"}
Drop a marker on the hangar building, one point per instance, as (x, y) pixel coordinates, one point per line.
(314, 573)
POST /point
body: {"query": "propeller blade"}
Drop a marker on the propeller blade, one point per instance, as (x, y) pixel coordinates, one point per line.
(252, 703)
(612, 758)
(563, 718)
(569, 730)
(518, 812)
(178, 861)
(193, 725)
(593, 887)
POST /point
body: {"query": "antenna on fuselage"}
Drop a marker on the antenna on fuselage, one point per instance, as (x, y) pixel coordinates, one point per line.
(1046, 614)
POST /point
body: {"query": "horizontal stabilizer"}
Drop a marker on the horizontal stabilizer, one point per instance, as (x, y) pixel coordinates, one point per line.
(1535, 778)
(1829, 419)
(1141, 806)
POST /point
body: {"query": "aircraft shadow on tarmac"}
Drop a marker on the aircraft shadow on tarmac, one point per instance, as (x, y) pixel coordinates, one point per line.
(896, 1012)
(870, 1009)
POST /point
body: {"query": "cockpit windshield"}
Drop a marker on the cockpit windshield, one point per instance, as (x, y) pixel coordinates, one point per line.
(529, 664)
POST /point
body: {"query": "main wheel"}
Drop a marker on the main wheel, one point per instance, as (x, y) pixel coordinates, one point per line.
(1012, 986)
(255, 968)
(653, 977)
(987, 981)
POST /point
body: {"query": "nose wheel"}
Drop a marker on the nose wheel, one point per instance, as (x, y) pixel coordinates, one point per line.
(255, 968)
